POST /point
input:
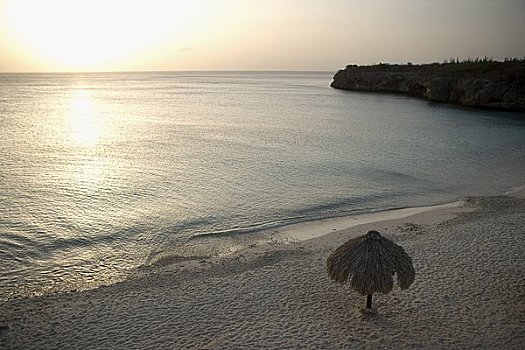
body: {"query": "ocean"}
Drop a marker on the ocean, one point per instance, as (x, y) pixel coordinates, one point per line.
(102, 173)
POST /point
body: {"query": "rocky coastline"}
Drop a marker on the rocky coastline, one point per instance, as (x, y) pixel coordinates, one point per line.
(483, 84)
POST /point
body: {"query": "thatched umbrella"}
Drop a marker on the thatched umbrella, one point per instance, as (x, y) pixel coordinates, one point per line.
(370, 262)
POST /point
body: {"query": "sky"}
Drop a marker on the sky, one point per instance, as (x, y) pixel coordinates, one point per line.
(323, 35)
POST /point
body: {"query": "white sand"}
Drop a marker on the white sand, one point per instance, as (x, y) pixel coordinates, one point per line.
(318, 228)
(469, 293)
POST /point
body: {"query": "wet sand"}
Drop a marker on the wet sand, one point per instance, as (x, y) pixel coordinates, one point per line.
(469, 293)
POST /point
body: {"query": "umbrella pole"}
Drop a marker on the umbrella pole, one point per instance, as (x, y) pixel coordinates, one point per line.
(369, 301)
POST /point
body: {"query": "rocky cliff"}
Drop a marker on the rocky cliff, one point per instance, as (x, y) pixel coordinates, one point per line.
(498, 85)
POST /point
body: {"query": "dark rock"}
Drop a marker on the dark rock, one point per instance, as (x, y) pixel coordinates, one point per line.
(497, 85)
(3, 329)
(439, 89)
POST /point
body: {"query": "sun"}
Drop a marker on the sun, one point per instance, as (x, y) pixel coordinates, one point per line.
(90, 35)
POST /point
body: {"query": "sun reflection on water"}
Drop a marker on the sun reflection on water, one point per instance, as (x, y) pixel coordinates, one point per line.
(85, 129)
(83, 119)
(88, 173)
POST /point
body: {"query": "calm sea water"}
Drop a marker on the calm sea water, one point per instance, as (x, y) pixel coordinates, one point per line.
(100, 173)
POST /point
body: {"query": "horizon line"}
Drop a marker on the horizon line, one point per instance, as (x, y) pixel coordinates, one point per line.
(176, 71)
(451, 60)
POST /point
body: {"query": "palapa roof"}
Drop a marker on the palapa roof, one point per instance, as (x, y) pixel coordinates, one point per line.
(370, 262)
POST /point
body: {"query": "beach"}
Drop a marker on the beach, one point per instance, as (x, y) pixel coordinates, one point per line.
(469, 293)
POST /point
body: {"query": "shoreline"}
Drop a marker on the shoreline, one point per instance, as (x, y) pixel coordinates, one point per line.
(216, 247)
(317, 228)
(468, 293)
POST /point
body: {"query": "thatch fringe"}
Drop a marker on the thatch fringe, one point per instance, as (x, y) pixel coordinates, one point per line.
(370, 262)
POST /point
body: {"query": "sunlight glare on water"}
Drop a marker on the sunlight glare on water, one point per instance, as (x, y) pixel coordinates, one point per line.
(84, 126)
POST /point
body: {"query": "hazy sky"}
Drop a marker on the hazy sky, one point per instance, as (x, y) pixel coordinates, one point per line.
(106, 35)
